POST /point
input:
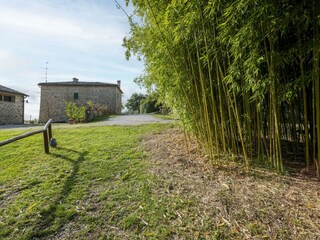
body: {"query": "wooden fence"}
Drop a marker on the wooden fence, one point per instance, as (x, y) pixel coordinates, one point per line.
(47, 135)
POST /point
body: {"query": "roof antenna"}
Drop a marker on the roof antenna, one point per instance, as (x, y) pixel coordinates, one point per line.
(47, 72)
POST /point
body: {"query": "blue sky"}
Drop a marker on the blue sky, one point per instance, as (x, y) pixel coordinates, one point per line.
(78, 38)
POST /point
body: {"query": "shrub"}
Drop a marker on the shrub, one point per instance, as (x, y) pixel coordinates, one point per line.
(75, 113)
(71, 111)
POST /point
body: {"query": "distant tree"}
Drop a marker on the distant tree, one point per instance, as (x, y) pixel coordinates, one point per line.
(150, 104)
(133, 103)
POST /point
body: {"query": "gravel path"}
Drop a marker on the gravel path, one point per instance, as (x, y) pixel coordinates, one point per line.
(134, 119)
(20, 126)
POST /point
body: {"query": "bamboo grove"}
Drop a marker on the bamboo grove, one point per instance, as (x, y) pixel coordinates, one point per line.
(243, 75)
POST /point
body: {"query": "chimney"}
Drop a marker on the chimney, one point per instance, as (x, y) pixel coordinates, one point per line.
(75, 80)
(119, 83)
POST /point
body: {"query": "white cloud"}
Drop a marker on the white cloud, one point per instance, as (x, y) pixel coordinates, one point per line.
(39, 24)
(72, 29)
(10, 61)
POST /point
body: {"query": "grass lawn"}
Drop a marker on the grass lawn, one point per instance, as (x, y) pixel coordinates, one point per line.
(141, 182)
(96, 186)
(165, 116)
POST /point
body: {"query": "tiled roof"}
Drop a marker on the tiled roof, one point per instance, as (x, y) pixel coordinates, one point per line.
(9, 90)
(73, 83)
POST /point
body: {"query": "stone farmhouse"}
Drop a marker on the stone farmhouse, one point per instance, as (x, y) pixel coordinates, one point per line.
(54, 96)
(11, 106)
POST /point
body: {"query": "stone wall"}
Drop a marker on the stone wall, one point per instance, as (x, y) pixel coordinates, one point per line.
(12, 112)
(53, 98)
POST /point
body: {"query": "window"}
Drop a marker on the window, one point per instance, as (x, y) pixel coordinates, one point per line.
(76, 95)
(8, 98)
(0, 97)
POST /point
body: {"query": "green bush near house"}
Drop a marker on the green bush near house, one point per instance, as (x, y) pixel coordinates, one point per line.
(75, 113)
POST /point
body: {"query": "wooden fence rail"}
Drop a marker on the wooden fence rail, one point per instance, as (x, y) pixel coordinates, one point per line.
(47, 135)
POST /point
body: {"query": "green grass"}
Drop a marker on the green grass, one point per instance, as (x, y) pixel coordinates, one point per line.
(165, 116)
(100, 184)
(96, 186)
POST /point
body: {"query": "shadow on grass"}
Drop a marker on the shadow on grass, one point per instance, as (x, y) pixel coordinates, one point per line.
(49, 215)
(100, 118)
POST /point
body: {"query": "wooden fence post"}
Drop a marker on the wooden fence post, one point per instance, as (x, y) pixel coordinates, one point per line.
(47, 135)
(46, 141)
(50, 132)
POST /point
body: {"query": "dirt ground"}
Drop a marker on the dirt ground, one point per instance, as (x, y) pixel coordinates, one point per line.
(257, 205)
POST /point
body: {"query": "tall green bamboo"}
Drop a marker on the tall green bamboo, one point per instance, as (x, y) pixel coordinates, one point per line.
(316, 74)
(244, 77)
